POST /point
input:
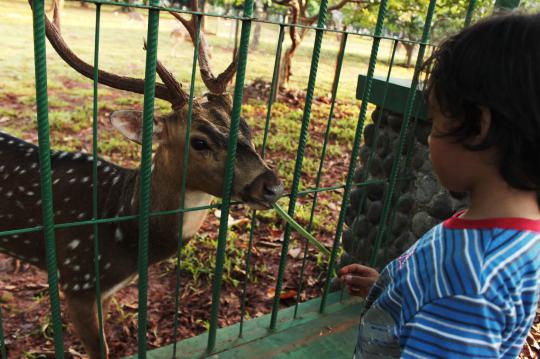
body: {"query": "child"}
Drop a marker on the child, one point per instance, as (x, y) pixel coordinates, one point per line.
(469, 287)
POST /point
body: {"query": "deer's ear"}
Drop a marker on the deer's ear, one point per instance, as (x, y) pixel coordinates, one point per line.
(129, 123)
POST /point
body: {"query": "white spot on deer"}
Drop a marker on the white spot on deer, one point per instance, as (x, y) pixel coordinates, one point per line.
(15, 236)
(81, 215)
(152, 168)
(16, 168)
(67, 199)
(56, 181)
(31, 221)
(5, 176)
(121, 210)
(90, 158)
(34, 259)
(87, 276)
(108, 265)
(118, 235)
(2, 168)
(10, 142)
(22, 172)
(86, 286)
(71, 181)
(35, 184)
(115, 180)
(19, 204)
(5, 239)
(77, 268)
(64, 286)
(59, 212)
(27, 241)
(63, 154)
(9, 194)
(30, 193)
(67, 261)
(74, 243)
(21, 188)
(69, 171)
(76, 287)
(38, 203)
(106, 169)
(77, 156)
(33, 165)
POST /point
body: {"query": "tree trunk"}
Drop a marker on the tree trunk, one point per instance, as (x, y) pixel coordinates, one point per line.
(409, 48)
(83, 4)
(285, 70)
(336, 67)
(56, 9)
(257, 32)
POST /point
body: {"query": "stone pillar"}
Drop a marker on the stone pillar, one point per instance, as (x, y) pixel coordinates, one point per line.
(420, 202)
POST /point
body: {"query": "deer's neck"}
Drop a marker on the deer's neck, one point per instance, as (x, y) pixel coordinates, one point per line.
(166, 196)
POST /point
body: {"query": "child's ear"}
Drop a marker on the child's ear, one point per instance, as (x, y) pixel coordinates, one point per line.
(485, 124)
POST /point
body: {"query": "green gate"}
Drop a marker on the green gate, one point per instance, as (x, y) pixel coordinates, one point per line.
(333, 310)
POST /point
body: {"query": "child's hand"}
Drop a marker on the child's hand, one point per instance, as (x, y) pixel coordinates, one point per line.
(358, 278)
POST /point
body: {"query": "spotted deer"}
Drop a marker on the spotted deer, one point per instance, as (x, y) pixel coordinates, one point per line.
(118, 188)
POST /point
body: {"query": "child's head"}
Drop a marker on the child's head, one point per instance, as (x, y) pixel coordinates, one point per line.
(485, 83)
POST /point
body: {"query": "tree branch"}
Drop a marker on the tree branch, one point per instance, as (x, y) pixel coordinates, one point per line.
(342, 3)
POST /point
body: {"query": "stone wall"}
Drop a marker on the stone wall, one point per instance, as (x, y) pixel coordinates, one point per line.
(420, 201)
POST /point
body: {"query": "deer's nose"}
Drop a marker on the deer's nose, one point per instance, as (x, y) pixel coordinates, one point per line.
(272, 191)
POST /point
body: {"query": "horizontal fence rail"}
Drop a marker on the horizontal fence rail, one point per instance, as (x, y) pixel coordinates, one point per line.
(145, 214)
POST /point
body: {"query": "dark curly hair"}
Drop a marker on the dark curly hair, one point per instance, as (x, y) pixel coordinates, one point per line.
(494, 63)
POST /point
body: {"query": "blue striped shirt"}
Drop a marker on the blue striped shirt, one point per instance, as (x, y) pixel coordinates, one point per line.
(467, 288)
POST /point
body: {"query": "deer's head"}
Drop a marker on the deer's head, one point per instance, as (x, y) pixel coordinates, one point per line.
(254, 182)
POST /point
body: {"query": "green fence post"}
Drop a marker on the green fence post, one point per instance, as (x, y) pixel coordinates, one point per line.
(145, 174)
(403, 135)
(299, 156)
(356, 146)
(40, 61)
(229, 171)
(95, 181)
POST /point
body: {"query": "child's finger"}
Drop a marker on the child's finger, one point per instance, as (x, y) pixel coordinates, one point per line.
(358, 282)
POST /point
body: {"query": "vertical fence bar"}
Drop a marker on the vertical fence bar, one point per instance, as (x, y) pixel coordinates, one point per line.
(356, 146)
(271, 98)
(300, 155)
(95, 181)
(229, 171)
(145, 173)
(403, 135)
(2, 339)
(184, 180)
(40, 61)
(470, 10)
(367, 165)
(341, 55)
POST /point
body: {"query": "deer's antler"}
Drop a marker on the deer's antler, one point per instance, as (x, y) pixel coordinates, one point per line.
(216, 85)
(171, 91)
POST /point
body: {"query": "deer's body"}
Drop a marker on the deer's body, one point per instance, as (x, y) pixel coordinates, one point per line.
(72, 197)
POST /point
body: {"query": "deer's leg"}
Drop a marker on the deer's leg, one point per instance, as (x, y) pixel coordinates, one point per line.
(83, 315)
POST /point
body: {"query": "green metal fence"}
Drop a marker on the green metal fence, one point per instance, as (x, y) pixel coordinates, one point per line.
(154, 9)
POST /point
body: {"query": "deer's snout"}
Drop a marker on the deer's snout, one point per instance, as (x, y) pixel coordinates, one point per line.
(263, 191)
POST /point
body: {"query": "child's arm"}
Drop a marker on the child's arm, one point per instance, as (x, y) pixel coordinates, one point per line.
(457, 326)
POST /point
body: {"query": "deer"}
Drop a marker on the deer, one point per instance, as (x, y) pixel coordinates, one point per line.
(255, 184)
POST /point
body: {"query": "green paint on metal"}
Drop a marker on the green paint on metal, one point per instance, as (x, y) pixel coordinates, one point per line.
(40, 60)
(184, 180)
(341, 55)
(229, 172)
(299, 156)
(95, 182)
(271, 98)
(403, 135)
(470, 10)
(145, 173)
(356, 146)
(2, 339)
(393, 95)
(325, 331)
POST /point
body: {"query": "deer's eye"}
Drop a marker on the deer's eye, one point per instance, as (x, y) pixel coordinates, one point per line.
(199, 144)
